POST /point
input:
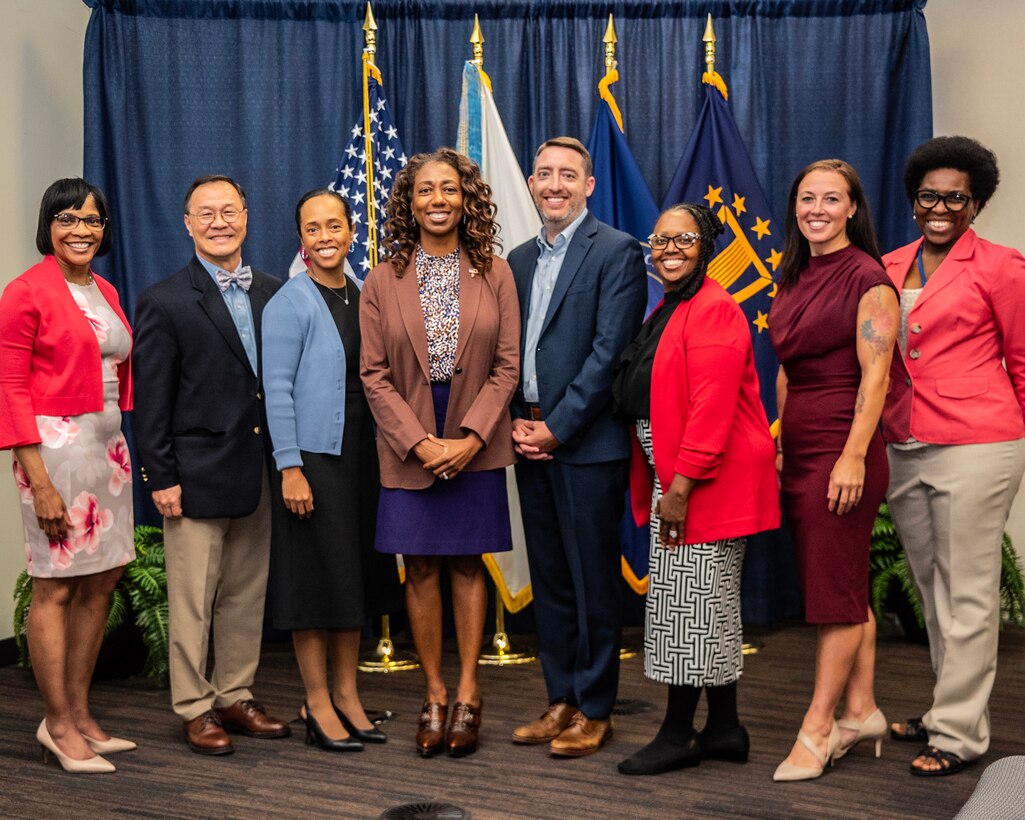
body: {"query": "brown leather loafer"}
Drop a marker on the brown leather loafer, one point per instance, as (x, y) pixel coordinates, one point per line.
(430, 734)
(582, 737)
(463, 730)
(547, 727)
(247, 717)
(206, 736)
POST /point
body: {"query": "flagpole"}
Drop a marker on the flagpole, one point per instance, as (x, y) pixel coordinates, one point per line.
(384, 658)
(502, 652)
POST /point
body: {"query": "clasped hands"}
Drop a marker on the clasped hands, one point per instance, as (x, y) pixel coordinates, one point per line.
(446, 457)
(533, 440)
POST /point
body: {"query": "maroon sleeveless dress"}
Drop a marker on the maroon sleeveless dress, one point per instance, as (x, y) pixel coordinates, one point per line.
(813, 327)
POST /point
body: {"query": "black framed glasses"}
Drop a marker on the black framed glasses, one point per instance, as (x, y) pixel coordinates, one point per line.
(930, 199)
(682, 241)
(207, 217)
(70, 221)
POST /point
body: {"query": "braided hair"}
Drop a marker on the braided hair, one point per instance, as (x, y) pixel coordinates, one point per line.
(709, 227)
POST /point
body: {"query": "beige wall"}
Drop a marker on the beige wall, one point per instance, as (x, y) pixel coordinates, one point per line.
(977, 63)
(40, 140)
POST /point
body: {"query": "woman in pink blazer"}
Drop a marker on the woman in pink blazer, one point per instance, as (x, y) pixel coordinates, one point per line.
(956, 436)
(440, 325)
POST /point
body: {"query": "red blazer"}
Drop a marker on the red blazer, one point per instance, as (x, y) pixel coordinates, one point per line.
(968, 320)
(396, 373)
(708, 423)
(49, 357)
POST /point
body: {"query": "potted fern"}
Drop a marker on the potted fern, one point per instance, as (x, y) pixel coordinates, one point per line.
(138, 600)
(892, 587)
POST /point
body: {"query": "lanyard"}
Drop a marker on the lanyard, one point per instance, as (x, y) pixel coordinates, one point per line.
(921, 266)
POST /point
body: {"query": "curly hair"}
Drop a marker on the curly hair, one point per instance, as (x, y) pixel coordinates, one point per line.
(797, 251)
(960, 153)
(477, 228)
(709, 227)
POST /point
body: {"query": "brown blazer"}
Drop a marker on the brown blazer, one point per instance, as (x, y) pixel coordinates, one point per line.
(396, 374)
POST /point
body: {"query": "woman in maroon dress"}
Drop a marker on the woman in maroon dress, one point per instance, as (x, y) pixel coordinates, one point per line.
(833, 325)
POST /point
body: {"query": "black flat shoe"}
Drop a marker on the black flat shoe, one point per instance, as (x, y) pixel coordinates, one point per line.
(949, 763)
(315, 736)
(914, 732)
(661, 756)
(371, 735)
(732, 745)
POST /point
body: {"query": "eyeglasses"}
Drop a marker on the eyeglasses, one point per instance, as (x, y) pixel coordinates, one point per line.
(70, 221)
(682, 241)
(930, 199)
(207, 217)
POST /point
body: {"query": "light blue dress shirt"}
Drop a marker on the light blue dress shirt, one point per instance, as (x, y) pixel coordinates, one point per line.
(546, 274)
(240, 309)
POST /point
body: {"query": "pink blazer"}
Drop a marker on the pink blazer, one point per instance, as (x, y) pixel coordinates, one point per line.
(396, 373)
(968, 321)
(49, 358)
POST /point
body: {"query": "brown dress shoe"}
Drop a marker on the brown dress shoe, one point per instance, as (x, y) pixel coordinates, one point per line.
(247, 717)
(582, 737)
(462, 731)
(206, 736)
(430, 734)
(547, 727)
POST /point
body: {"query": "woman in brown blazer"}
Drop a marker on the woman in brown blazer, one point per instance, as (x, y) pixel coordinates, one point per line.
(440, 360)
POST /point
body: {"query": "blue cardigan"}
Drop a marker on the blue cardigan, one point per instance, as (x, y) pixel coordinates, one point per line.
(303, 373)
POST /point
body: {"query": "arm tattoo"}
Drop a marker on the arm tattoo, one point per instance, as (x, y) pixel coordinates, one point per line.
(859, 402)
(873, 329)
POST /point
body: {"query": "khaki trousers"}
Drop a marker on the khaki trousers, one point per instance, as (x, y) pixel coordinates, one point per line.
(950, 506)
(216, 579)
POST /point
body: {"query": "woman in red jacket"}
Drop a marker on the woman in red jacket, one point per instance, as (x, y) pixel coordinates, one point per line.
(689, 381)
(956, 436)
(64, 380)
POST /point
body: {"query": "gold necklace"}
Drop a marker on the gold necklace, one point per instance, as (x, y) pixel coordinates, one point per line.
(345, 286)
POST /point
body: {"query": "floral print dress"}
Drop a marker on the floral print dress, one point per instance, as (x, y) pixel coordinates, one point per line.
(87, 459)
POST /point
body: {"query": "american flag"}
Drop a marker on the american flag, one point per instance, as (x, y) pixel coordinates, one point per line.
(351, 178)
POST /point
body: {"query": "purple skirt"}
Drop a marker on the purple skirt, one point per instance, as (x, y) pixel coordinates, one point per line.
(467, 515)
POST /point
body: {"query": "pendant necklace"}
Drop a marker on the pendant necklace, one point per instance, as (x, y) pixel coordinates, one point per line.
(345, 286)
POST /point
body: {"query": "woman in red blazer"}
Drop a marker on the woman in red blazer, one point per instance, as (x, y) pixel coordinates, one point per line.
(440, 326)
(955, 427)
(689, 381)
(65, 377)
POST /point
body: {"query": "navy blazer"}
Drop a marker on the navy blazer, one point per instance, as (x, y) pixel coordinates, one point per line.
(199, 417)
(597, 307)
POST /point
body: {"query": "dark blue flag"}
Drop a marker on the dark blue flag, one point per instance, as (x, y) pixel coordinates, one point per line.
(622, 199)
(716, 170)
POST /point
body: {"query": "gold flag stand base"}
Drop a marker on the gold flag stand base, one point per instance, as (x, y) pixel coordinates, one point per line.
(752, 648)
(627, 652)
(385, 658)
(502, 653)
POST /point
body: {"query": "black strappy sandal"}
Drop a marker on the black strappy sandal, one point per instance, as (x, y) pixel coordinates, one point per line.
(914, 732)
(949, 762)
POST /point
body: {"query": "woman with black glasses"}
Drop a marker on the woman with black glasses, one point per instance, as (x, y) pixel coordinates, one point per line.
(956, 436)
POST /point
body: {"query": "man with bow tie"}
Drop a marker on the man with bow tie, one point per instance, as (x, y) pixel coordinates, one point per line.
(201, 433)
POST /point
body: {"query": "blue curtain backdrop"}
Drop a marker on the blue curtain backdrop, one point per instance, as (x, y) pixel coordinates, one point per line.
(268, 92)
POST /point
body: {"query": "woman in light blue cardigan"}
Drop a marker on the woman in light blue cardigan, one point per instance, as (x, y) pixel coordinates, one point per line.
(326, 576)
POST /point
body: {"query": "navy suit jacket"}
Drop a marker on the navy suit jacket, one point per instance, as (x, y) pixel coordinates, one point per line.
(199, 416)
(596, 309)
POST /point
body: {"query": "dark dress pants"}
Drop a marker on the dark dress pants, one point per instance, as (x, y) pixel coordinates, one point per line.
(571, 518)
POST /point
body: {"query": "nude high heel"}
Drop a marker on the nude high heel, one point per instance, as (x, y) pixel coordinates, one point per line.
(789, 772)
(92, 765)
(109, 746)
(871, 728)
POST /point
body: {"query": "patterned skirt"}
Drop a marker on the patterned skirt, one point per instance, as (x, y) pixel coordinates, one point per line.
(692, 629)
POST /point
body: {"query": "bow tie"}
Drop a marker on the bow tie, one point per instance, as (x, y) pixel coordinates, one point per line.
(243, 277)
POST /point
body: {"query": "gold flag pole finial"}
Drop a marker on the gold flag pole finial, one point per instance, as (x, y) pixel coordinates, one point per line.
(477, 41)
(709, 41)
(610, 46)
(710, 76)
(370, 33)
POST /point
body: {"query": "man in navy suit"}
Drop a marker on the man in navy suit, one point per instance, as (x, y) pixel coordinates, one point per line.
(201, 434)
(582, 289)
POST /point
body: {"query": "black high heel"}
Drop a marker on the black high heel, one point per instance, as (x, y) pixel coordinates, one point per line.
(315, 735)
(732, 745)
(371, 735)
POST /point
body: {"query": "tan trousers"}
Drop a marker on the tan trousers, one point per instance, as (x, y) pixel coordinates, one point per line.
(216, 578)
(950, 506)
